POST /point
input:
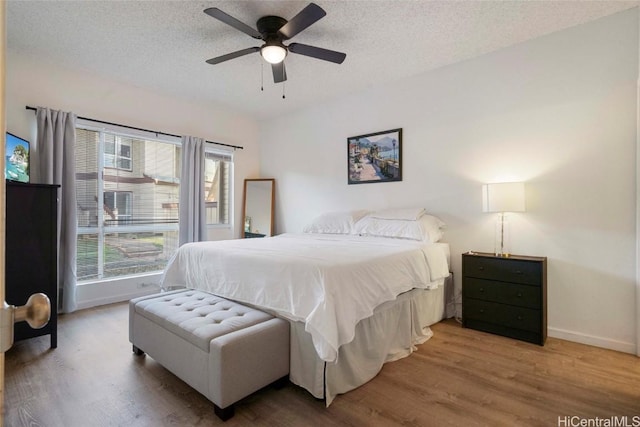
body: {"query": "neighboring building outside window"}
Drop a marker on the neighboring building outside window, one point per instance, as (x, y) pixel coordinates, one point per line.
(128, 192)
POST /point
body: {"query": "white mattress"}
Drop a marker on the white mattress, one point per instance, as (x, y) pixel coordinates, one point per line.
(328, 282)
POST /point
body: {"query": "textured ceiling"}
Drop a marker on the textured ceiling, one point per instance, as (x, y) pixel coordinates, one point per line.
(163, 45)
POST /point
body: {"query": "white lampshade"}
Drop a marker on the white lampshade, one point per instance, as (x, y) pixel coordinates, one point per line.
(273, 54)
(503, 197)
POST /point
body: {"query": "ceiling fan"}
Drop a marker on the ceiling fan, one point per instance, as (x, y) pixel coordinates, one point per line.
(274, 30)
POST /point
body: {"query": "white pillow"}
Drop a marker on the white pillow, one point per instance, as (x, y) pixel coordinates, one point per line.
(410, 214)
(426, 229)
(432, 227)
(334, 222)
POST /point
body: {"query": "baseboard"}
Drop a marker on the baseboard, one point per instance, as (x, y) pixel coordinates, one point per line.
(116, 290)
(625, 347)
(95, 302)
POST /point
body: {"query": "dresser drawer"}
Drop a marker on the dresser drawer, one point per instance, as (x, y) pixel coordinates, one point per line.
(502, 292)
(504, 315)
(502, 269)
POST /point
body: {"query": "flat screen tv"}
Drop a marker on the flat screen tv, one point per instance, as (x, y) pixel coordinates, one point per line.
(16, 166)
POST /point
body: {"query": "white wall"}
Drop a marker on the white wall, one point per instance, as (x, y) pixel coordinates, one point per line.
(36, 83)
(558, 112)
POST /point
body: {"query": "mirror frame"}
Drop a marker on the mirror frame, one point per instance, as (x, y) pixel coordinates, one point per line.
(273, 203)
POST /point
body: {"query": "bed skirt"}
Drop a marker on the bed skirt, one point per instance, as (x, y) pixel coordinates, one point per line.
(391, 333)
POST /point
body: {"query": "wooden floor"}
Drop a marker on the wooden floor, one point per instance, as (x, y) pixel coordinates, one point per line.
(460, 377)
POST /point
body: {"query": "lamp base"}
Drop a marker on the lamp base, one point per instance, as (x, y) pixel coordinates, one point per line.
(502, 237)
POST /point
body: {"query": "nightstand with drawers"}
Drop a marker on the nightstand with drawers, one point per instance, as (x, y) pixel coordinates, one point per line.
(505, 295)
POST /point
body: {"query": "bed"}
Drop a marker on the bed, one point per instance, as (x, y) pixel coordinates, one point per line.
(354, 301)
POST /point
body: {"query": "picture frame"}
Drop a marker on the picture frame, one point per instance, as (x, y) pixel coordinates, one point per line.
(375, 157)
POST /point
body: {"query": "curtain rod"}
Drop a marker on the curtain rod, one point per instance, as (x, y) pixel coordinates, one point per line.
(235, 147)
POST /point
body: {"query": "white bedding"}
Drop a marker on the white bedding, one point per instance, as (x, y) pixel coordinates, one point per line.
(329, 282)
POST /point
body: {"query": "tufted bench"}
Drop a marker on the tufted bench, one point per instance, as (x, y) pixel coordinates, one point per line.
(223, 349)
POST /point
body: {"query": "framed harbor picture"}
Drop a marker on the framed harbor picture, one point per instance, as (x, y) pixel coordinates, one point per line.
(375, 157)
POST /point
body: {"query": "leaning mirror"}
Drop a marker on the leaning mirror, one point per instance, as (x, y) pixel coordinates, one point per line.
(258, 207)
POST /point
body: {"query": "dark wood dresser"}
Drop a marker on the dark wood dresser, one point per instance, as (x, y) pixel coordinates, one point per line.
(505, 295)
(31, 256)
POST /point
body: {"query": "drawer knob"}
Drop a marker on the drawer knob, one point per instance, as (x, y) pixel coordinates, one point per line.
(482, 310)
(519, 294)
(481, 289)
(481, 268)
(519, 317)
(518, 272)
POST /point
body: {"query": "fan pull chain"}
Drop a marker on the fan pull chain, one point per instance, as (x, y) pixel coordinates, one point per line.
(261, 76)
(283, 82)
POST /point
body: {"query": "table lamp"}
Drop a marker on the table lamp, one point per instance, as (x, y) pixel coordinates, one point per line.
(503, 197)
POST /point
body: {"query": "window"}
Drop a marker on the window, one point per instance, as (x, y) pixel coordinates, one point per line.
(117, 152)
(217, 172)
(117, 206)
(128, 201)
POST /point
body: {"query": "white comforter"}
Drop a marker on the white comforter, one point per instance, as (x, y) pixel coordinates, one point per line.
(330, 282)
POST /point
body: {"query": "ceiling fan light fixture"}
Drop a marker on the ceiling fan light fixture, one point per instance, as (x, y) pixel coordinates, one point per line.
(273, 53)
(274, 31)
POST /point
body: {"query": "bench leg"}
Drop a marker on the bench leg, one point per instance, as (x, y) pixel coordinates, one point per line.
(137, 351)
(223, 413)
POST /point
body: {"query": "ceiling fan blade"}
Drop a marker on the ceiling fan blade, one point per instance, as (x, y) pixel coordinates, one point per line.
(304, 19)
(279, 72)
(232, 55)
(214, 12)
(317, 52)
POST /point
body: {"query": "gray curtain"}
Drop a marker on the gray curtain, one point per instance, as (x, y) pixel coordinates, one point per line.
(192, 223)
(55, 148)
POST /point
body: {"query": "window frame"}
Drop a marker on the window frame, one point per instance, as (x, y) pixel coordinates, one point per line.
(102, 231)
